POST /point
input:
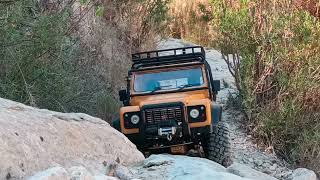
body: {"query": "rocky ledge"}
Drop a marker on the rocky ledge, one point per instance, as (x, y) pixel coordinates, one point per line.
(33, 140)
(39, 144)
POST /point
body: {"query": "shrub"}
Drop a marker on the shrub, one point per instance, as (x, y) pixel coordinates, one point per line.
(51, 58)
(273, 52)
(191, 20)
(37, 57)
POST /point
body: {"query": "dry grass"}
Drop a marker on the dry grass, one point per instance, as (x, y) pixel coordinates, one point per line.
(107, 42)
(191, 20)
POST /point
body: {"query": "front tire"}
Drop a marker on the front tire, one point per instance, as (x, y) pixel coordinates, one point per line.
(217, 145)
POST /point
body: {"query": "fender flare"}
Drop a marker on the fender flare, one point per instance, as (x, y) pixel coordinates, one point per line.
(216, 113)
(116, 124)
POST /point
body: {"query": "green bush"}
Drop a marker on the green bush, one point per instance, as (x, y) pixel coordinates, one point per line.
(278, 77)
(39, 61)
(47, 61)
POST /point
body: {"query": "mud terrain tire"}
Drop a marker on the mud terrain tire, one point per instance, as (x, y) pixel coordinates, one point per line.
(217, 146)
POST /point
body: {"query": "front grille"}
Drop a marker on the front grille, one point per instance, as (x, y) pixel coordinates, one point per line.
(156, 115)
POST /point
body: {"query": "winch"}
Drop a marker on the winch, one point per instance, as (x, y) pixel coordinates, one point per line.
(168, 132)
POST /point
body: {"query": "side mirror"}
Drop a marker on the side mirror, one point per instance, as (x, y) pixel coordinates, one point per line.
(216, 85)
(123, 95)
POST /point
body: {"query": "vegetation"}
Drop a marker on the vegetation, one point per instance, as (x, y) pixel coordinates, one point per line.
(46, 62)
(192, 20)
(275, 60)
(38, 58)
(272, 49)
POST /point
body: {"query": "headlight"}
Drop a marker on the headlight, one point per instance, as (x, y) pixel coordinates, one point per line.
(194, 113)
(197, 113)
(135, 119)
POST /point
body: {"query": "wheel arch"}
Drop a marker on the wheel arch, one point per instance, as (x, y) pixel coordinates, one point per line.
(216, 113)
(116, 124)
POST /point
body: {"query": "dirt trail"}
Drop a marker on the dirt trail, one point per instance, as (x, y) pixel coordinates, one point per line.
(243, 148)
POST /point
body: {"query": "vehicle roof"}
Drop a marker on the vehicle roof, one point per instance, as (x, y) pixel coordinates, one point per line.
(167, 66)
(168, 57)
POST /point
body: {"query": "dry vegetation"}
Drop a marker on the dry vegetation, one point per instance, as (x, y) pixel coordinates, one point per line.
(73, 55)
(192, 20)
(272, 48)
(278, 76)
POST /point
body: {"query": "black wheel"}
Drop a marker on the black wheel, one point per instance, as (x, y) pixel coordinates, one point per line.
(217, 145)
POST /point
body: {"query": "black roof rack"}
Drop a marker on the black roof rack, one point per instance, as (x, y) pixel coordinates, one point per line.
(168, 56)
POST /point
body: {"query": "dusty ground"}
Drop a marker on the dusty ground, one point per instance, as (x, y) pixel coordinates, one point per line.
(245, 151)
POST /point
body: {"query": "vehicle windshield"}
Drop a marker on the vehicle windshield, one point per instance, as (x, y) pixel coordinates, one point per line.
(166, 80)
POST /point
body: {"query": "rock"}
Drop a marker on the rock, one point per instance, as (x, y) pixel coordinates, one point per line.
(266, 165)
(55, 173)
(157, 161)
(303, 174)
(284, 174)
(33, 140)
(104, 177)
(247, 172)
(80, 173)
(73, 173)
(273, 167)
(123, 173)
(258, 162)
(163, 167)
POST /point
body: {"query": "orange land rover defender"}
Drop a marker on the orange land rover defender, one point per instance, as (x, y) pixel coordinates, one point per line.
(169, 105)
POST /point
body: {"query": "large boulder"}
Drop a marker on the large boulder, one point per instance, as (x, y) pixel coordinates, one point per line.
(303, 174)
(54, 173)
(73, 173)
(247, 172)
(33, 140)
(162, 167)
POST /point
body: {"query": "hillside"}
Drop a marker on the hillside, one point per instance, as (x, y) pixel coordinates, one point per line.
(63, 62)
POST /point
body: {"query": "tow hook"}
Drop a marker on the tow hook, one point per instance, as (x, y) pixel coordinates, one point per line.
(169, 137)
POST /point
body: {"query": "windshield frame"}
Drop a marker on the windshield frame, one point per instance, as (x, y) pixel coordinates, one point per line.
(173, 90)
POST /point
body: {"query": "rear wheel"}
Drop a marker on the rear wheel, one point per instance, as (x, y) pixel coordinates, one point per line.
(217, 145)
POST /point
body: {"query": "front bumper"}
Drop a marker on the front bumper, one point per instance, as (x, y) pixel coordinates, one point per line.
(159, 128)
(159, 144)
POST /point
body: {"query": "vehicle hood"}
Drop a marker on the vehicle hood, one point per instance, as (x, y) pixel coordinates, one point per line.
(184, 97)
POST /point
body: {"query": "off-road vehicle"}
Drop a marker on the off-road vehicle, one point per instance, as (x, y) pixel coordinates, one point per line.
(169, 104)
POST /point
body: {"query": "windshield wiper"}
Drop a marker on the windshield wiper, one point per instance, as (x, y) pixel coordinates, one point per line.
(179, 88)
(158, 88)
(186, 86)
